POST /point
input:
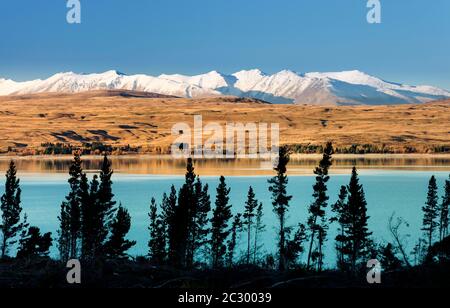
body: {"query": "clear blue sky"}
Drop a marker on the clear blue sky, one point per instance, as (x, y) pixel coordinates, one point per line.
(411, 45)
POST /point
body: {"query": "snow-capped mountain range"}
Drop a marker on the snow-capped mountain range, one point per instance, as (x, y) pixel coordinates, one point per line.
(334, 88)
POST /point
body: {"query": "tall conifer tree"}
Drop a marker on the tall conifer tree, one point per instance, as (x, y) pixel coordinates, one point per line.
(11, 210)
(219, 224)
(280, 201)
(357, 234)
(316, 221)
(249, 213)
(444, 211)
(236, 228)
(157, 242)
(259, 228)
(430, 211)
(70, 217)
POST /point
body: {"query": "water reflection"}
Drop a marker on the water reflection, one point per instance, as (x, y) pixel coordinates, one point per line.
(302, 164)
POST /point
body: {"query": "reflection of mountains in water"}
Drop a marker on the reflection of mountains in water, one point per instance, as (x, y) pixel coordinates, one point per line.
(169, 166)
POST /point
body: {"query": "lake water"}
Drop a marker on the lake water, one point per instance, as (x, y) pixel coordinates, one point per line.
(399, 190)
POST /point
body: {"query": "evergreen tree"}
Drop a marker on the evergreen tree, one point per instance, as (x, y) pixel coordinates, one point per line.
(250, 206)
(105, 205)
(316, 221)
(357, 234)
(339, 208)
(430, 211)
(388, 258)
(169, 210)
(236, 228)
(11, 209)
(444, 211)
(219, 224)
(157, 242)
(280, 201)
(259, 228)
(33, 244)
(202, 228)
(183, 220)
(70, 216)
(117, 245)
(294, 246)
(198, 226)
(88, 219)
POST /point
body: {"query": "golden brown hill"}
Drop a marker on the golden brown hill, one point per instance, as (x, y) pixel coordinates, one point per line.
(144, 120)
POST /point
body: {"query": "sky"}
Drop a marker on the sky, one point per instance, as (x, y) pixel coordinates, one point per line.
(411, 45)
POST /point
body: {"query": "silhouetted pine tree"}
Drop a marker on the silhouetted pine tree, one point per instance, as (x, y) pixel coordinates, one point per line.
(430, 211)
(444, 211)
(388, 258)
(259, 228)
(219, 224)
(280, 201)
(199, 228)
(294, 246)
(250, 206)
(88, 219)
(70, 216)
(157, 242)
(316, 222)
(339, 208)
(357, 234)
(33, 244)
(11, 209)
(104, 203)
(236, 228)
(169, 209)
(183, 219)
(117, 245)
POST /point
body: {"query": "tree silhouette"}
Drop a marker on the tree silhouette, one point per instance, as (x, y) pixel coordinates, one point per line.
(236, 228)
(430, 211)
(280, 201)
(249, 212)
(219, 224)
(340, 209)
(33, 244)
(117, 245)
(157, 242)
(357, 234)
(11, 209)
(183, 220)
(169, 210)
(388, 258)
(294, 246)
(104, 203)
(259, 228)
(89, 217)
(201, 225)
(444, 211)
(316, 221)
(70, 216)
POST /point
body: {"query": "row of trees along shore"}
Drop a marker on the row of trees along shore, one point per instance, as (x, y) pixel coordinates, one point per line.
(188, 230)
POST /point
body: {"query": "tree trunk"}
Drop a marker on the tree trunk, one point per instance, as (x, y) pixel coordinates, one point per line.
(248, 242)
(282, 260)
(311, 243)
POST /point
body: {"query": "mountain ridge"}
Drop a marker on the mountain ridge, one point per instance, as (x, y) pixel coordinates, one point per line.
(286, 87)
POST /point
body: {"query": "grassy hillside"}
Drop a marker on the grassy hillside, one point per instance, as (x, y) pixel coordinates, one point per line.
(141, 122)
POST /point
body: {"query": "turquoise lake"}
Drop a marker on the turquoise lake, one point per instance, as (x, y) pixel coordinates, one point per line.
(387, 191)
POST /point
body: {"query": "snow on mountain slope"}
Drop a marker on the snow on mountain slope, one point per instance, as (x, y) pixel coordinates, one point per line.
(336, 88)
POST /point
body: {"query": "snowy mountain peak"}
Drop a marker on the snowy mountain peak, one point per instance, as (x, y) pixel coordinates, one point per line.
(286, 86)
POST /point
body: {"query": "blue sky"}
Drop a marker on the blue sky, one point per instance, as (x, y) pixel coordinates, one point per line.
(412, 44)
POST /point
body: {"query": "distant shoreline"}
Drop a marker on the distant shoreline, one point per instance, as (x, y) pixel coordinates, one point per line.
(168, 156)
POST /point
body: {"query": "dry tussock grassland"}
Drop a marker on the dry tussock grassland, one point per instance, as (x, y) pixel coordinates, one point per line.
(144, 120)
